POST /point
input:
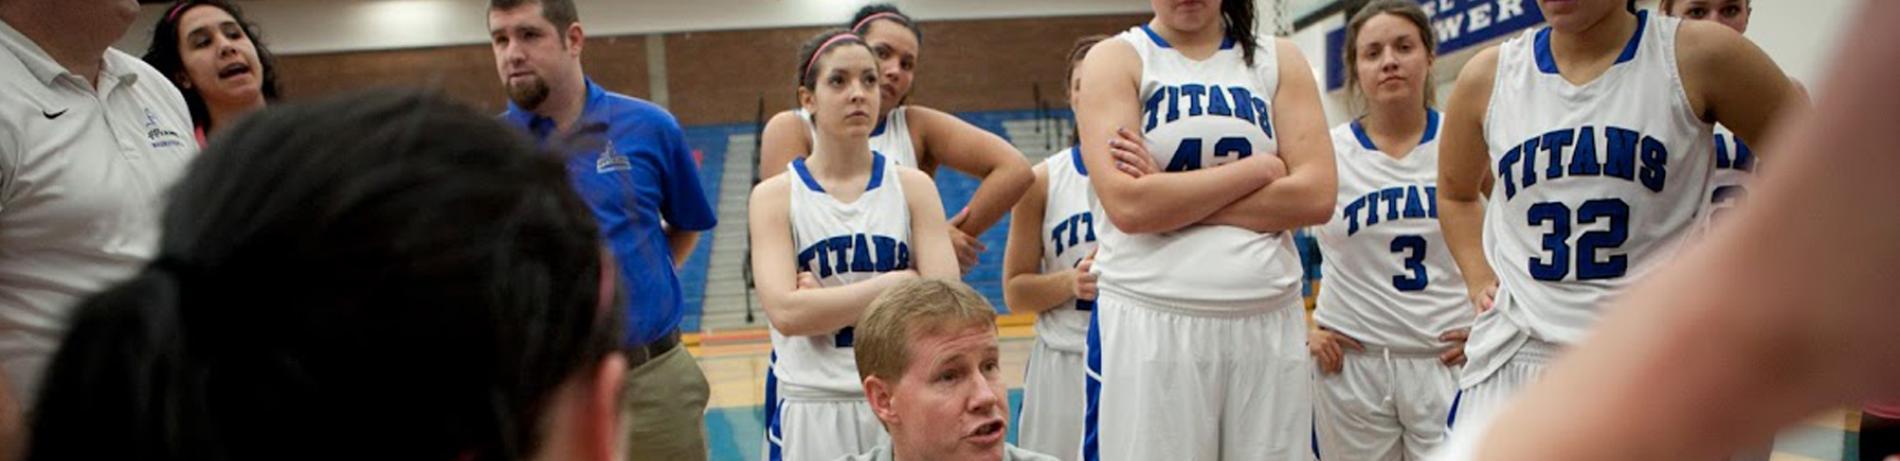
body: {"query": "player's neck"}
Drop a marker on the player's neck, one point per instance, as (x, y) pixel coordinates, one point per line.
(223, 114)
(1606, 37)
(836, 155)
(1396, 120)
(1206, 39)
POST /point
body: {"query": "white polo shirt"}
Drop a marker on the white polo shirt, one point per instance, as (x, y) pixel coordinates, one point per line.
(82, 172)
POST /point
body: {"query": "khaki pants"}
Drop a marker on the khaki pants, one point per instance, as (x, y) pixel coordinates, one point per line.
(663, 409)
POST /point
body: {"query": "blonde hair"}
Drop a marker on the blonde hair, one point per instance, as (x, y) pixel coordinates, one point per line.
(914, 309)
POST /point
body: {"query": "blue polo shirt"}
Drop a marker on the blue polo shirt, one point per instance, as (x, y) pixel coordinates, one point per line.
(629, 161)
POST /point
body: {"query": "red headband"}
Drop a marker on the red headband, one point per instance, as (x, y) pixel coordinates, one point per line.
(811, 64)
(867, 20)
(172, 15)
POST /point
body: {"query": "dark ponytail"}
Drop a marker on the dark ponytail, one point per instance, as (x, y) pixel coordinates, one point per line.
(388, 272)
(1239, 15)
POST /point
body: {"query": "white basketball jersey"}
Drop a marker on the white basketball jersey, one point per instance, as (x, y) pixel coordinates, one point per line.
(840, 243)
(1201, 114)
(1390, 279)
(1594, 183)
(1068, 232)
(891, 137)
(1734, 164)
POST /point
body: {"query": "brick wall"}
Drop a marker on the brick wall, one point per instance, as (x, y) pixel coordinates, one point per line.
(719, 77)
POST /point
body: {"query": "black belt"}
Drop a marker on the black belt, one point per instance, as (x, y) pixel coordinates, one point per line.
(640, 355)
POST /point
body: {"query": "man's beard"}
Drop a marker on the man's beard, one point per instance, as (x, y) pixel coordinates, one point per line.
(530, 95)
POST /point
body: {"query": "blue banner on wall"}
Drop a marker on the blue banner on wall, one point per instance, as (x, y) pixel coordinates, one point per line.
(1459, 24)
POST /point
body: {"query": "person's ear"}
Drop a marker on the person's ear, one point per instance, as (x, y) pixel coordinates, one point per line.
(806, 100)
(575, 38)
(881, 395)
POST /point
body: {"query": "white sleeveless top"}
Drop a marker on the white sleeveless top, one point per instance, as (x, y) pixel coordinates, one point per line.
(1734, 164)
(840, 243)
(1068, 232)
(1390, 279)
(891, 137)
(1595, 183)
(1201, 114)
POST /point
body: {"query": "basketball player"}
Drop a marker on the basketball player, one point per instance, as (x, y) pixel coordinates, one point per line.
(1195, 347)
(1593, 131)
(836, 229)
(914, 136)
(1051, 233)
(215, 59)
(1689, 363)
(1393, 315)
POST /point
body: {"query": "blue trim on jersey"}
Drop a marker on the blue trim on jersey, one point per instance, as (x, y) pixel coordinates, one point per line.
(1315, 433)
(798, 167)
(1092, 409)
(1075, 156)
(1636, 41)
(1359, 131)
(1431, 131)
(881, 122)
(1547, 62)
(772, 412)
(1226, 43)
(1452, 418)
(877, 171)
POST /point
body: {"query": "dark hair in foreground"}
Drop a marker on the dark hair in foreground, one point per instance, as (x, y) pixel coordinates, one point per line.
(863, 20)
(162, 54)
(384, 275)
(1240, 18)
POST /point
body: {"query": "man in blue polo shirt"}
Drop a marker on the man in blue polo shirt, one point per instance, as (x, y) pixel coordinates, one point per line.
(630, 163)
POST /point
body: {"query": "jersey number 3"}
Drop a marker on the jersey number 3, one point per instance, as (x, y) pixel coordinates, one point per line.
(1414, 248)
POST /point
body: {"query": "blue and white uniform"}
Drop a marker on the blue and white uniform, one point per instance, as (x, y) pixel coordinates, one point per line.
(1734, 164)
(1391, 285)
(891, 137)
(815, 403)
(1197, 350)
(1052, 409)
(1595, 184)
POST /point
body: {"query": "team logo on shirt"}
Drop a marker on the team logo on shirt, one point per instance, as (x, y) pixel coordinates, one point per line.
(859, 253)
(158, 135)
(611, 161)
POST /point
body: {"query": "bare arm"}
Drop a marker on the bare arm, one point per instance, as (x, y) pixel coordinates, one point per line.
(1026, 289)
(1810, 329)
(681, 242)
(786, 137)
(1306, 196)
(1731, 81)
(794, 311)
(1464, 169)
(966, 148)
(930, 252)
(1157, 202)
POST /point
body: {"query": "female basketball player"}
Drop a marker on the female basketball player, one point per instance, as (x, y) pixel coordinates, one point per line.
(1596, 129)
(1393, 314)
(1195, 350)
(915, 136)
(1690, 362)
(828, 235)
(213, 56)
(1050, 235)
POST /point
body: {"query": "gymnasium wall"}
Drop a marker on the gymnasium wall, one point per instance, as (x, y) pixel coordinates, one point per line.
(716, 77)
